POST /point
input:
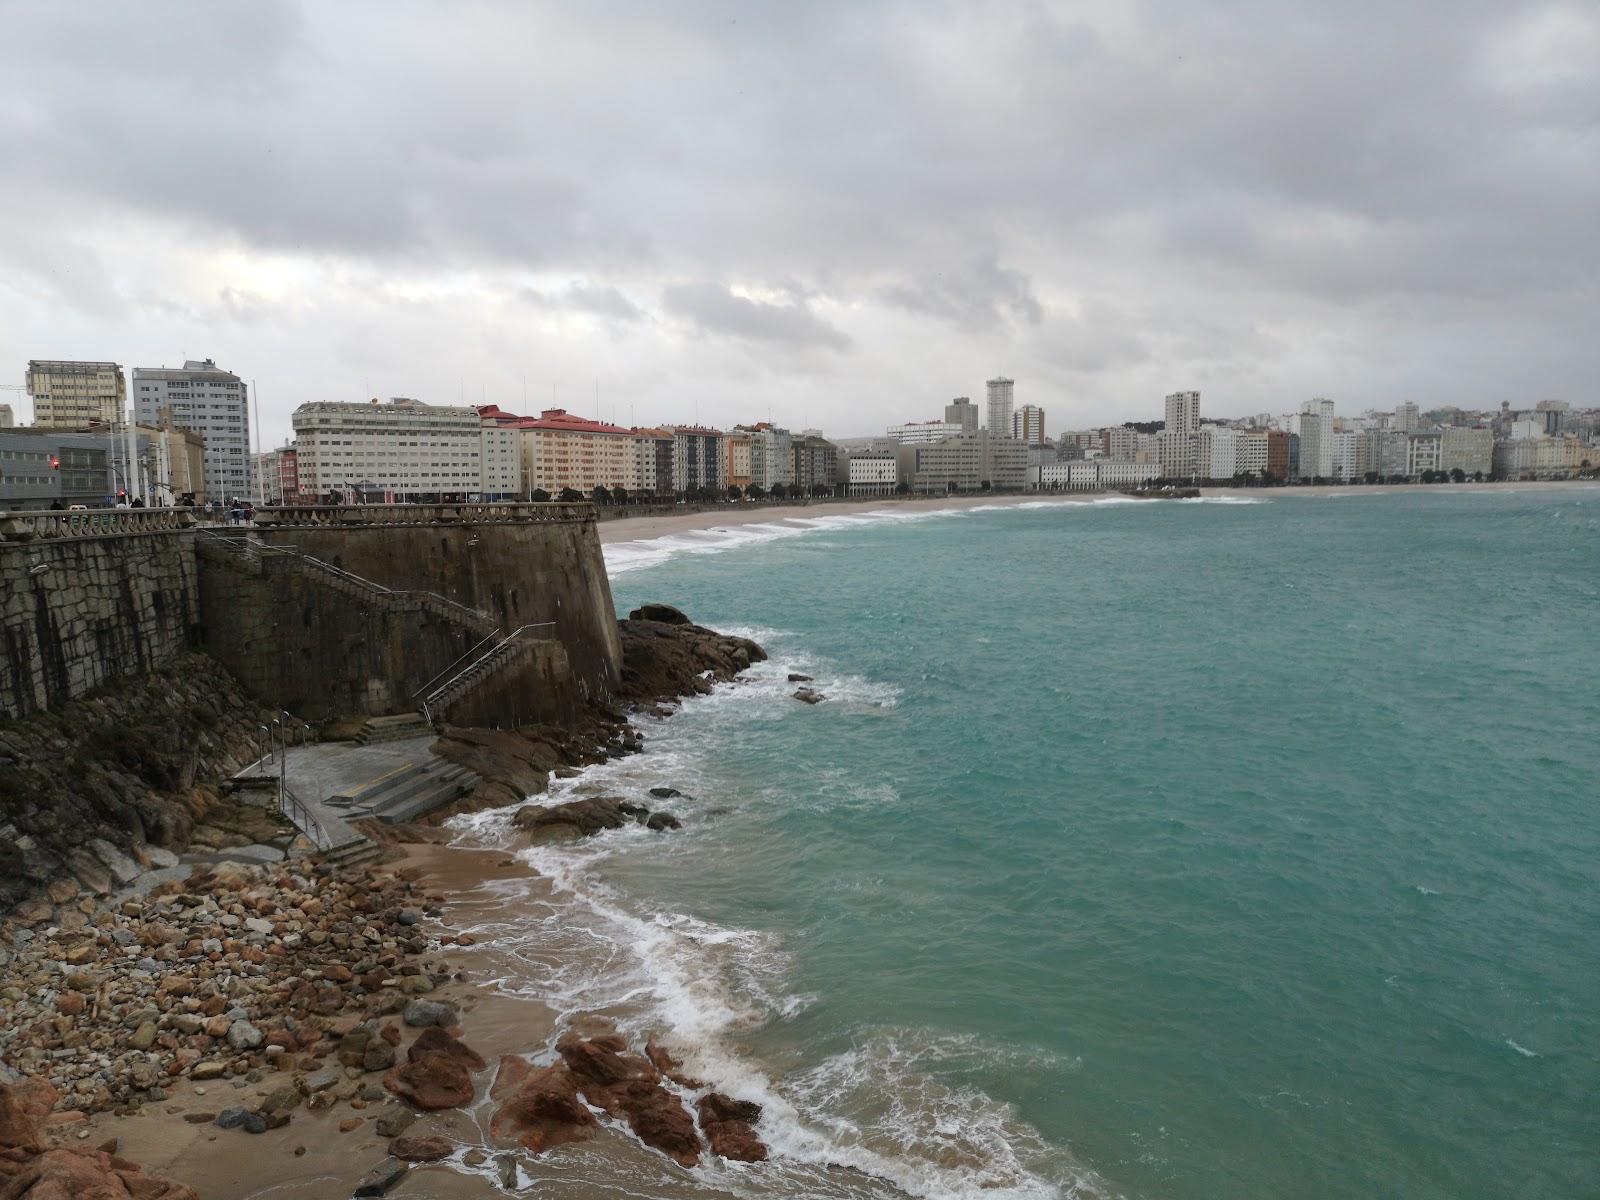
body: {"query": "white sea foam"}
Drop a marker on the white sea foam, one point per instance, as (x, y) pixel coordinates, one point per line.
(1522, 1050)
(1223, 500)
(870, 1122)
(622, 557)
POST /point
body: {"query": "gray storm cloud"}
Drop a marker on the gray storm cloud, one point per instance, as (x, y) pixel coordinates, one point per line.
(835, 213)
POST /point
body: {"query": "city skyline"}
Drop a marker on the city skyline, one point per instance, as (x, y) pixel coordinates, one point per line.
(1381, 207)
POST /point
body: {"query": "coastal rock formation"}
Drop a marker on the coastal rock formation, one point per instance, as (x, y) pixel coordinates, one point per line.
(729, 1127)
(664, 656)
(29, 1170)
(437, 1072)
(627, 1086)
(809, 695)
(590, 815)
(541, 1109)
(88, 790)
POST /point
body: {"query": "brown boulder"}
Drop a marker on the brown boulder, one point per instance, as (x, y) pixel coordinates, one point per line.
(421, 1148)
(662, 1061)
(434, 1040)
(543, 1111)
(729, 1127)
(24, 1106)
(509, 1076)
(435, 1080)
(583, 817)
(629, 1087)
(87, 1175)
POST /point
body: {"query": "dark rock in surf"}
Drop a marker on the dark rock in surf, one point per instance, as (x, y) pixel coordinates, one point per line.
(664, 613)
(808, 696)
(660, 821)
(665, 793)
(796, 677)
(729, 1126)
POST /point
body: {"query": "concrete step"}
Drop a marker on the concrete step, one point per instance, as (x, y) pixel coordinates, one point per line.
(392, 729)
(432, 790)
(362, 796)
(353, 854)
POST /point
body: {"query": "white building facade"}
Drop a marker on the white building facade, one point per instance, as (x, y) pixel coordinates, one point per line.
(202, 398)
(405, 449)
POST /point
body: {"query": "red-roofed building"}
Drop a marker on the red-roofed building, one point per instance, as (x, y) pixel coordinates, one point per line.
(560, 450)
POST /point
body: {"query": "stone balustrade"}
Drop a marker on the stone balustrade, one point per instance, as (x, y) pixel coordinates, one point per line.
(337, 515)
(92, 523)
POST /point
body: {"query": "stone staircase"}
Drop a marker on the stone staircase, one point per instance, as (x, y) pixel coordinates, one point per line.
(405, 793)
(394, 729)
(508, 652)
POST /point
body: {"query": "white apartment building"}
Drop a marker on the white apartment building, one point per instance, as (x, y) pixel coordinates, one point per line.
(1406, 417)
(771, 455)
(1250, 455)
(204, 399)
(1217, 452)
(405, 449)
(698, 458)
(1089, 475)
(1348, 456)
(1000, 405)
(874, 473)
(1027, 424)
(1182, 413)
(71, 395)
(500, 462)
(1466, 448)
(923, 433)
(1316, 445)
(1422, 452)
(7, 420)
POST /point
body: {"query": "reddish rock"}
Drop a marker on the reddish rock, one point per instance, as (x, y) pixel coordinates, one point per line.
(509, 1076)
(543, 1111)
(433, 1080)
(629, 1087)
(70, 1004)
(421, 1148)
(729, 1127)
(24, 1107)
(85, 1175)
(434, 1040)
(669, 1066)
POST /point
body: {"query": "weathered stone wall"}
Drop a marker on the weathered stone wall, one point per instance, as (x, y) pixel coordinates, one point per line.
(301, 644)
(520, 573)
(76, 613)
(538, 689)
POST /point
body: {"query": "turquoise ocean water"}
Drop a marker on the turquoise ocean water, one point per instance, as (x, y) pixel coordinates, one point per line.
(1169, 850)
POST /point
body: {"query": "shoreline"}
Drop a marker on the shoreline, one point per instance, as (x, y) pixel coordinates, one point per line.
(618, 530)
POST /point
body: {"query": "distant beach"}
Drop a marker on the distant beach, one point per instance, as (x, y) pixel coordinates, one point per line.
(635, 529)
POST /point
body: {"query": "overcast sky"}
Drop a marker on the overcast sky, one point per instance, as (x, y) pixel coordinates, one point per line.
(840, 215)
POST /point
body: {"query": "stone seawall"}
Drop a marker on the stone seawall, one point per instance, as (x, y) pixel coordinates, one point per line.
(76, 613)
(521, 572)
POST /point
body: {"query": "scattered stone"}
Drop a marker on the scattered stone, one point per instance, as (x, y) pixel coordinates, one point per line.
(809, 696)
(659, 821)
(796, 677)
(421, 1148)
(381, 1178)
(350, 1124)
(231, 1118)
(393, 1121)
(665, 793)
(422, 1013)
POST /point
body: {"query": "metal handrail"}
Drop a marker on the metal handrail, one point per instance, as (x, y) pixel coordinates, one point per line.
(425, 689)
(301, 816)
(433, 696)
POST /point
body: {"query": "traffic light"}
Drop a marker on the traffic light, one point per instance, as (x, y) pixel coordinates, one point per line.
(55, 463)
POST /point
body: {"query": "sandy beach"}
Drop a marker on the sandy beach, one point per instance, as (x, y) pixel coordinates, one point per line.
(633, 529)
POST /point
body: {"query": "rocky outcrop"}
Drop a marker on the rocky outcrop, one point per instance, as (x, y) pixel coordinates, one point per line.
(590, 815)
(541, 1110)
(666, 658)
(809, 695)
(628, 1087)
(437, 1072)
(30, 1170)
(729, 1127)
(83, 789)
